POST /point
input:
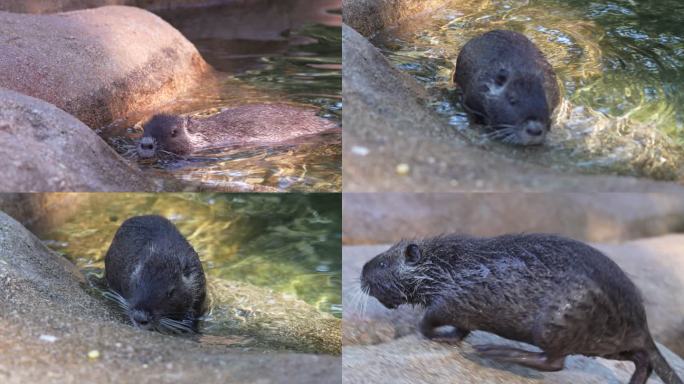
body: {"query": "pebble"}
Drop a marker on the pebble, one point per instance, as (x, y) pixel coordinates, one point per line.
(403, 169)
(359, 150)
(48, 338)
(94, 354)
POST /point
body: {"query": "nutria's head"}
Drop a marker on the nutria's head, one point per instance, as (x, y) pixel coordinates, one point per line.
(165, 133)
(394, 276)
(515, 107)
(166, 291)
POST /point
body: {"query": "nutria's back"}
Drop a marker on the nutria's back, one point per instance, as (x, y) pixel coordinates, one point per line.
(255, 123)
(155, 275)
(508, 85)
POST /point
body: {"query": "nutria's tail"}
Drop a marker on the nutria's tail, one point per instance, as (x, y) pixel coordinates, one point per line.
(661, 367)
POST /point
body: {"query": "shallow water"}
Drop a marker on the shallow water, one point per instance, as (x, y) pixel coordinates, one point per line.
(284, 52)
(288, 243)
(620, 64)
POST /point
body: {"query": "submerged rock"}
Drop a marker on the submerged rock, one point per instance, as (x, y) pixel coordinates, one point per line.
(100, 64)
(45, 149)
(41, 294)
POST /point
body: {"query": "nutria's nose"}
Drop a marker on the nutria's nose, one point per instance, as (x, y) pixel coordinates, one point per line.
(147, 146)
(140, 318)
(534, 128)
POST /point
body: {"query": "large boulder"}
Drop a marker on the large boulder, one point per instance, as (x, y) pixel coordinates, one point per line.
(44, 149)
(394, 141)
(51, 331)
(371, 16)
(100, 64)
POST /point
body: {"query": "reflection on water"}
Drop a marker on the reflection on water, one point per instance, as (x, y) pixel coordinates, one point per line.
(620, 64)
(264, 52)
(287, 243)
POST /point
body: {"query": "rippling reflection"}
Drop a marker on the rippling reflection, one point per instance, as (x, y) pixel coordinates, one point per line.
(289, 243)
(268, 52)
(620, 65)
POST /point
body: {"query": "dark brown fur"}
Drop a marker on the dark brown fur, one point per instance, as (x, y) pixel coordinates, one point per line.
(508, 85)
(556, 293)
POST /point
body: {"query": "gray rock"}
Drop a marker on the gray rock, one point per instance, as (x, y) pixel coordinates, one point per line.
(412, 359)
(49, 325)
(100, 64)
(45, 149)
(393, 141)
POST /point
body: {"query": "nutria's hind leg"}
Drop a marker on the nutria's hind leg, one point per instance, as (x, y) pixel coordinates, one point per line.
(642, 365)
(536, 360)
(433, 319)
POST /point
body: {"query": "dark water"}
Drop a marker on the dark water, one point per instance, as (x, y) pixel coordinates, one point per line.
(266, 52)
(288, 243)
(620, 64)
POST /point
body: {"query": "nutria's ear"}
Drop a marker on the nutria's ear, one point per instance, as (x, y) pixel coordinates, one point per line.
(412, 254)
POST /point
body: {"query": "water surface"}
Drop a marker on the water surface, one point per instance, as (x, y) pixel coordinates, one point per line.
(619, 63)
(276, 52)
(288, 243)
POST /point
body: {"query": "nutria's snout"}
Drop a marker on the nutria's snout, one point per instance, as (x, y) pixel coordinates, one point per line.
(532, 132)
(141, 319)
(147, 147)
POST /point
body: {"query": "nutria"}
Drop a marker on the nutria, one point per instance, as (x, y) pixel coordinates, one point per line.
(247, 124)
(155, 275)
(559, 294)
(508, 86)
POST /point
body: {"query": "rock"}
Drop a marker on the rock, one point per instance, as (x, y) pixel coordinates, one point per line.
(385, 114)
(40, 294)
(652, 264)
(40, 211)
(371, 16)
(100, 64)
(52, 6)
(276, 319)
(45, 149)
(587, 217)
(412, 359)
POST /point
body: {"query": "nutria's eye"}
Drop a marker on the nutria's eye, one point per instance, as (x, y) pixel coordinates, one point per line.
(383, 264)
(412, 254)
(171, 292)
(174, 133)
(512, 100)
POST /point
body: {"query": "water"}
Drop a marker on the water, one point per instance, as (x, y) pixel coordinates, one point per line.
(620, 65)
(288, 243)
(284, 52)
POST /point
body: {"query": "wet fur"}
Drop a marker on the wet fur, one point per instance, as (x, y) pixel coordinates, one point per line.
(247, 124)
(505, 80)
(150, 267)
(556, 293)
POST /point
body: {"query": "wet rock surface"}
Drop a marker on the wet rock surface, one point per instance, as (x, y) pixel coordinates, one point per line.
(382, 345)
(51, 330)
(393, 141)
(45, 149)
(371, 16)
(100, 64)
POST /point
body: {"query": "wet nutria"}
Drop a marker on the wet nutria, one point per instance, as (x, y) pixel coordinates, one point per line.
(508, 86)
(155, 275)
(561, 295)
(254, 123)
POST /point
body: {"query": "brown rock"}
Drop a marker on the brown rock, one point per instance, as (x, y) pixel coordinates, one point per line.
(100, 64)
(45, 149)
(371, 16)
